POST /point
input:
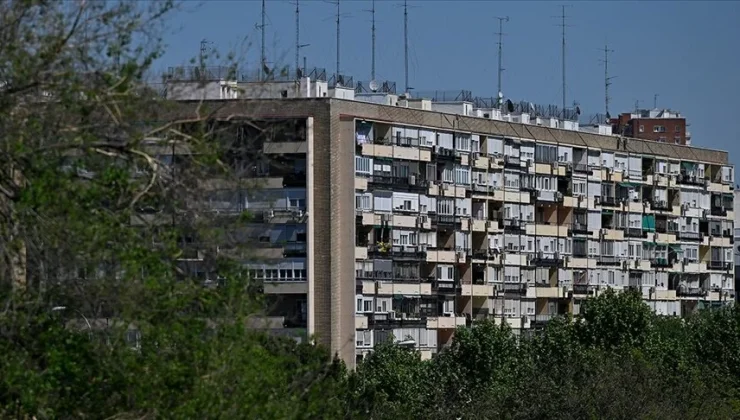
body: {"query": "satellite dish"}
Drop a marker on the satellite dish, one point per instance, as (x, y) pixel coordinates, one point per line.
(373, 85)
(509, 105)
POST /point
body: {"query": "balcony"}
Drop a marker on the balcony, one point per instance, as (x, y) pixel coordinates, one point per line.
(444, 220)
(690, 236)
(578, 228)
(690, 179)
(443, 154)
(547, 259)
(631, 232)
(384, 250)
(718, 211)
(662, 262)
(512, 162)
(661, 205)
(608, 260)
(690, 291)
(718, 265)
(514, 225)
(581, 167)
(609, 200)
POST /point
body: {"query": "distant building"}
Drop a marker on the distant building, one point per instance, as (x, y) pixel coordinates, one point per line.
(662, 125)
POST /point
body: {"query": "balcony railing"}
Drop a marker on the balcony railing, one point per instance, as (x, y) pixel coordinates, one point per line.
(512, 161)
(514, 224)
(547, 259)
(690, 179)
(609, 200)
(662, 262)
(661, 205)
(689, 236)
(579, 228)
(444, 154)
(632, 232)
(580, 167)
(718, 211)
(718, 265)
(608, 260)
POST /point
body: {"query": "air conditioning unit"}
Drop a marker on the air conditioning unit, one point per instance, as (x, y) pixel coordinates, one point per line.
(597, 199)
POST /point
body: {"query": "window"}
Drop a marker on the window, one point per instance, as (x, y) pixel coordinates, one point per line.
(297, 202)
(678, 129)
(642, 128)
(447, 175)
(658, 129)
(662, 139)
(445, 206)
(406, 204)
(579, 188)
(677, 139)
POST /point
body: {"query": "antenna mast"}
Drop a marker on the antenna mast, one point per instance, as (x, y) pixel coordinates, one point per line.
(298, 44)
(406, 45)
(337, 2)
(262, 50)
(655, 101)
(607, 79)
(563, 25)
(500, 34)
(372, 69)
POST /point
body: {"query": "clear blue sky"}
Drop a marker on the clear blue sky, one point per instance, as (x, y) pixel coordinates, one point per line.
(686, 52)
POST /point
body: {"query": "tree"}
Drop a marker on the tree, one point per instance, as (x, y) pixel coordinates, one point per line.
(101, 211)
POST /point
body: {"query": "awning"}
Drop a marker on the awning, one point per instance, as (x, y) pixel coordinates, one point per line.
(646, 243)
(675, 247)
(648, 223)
(627, 185)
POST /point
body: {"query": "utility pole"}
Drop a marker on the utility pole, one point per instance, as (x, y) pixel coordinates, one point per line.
(500, 34)
(607, 79)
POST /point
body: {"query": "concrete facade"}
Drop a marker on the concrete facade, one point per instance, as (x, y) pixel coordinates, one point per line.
(336, 287)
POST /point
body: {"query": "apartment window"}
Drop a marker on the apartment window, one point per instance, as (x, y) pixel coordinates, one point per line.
(462, 176)
(642, 128)
(406, 204)
(448, 175)
(545, 154)
(579, 188)
(475, 145)
(363, 202)
(463, 143)
(364, 338)
(677, 140)
(362, 165)
(678, 129)
(607, 248)
(658, 129)
(445, 206)
(662, 139)
(297, 202)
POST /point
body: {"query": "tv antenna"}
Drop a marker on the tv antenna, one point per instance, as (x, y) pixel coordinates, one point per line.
(500, 34)
(372, 31)
(298, 45)
(405, 5)
(563, 25)
(263, 61)
(337, 18)
(607, 79)
(655, 101)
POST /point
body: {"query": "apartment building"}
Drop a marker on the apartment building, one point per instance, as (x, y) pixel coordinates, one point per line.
(413, 218)
(661, 125)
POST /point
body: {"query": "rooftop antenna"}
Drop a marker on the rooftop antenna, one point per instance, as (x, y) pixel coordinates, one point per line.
(298, 44)
(637, 105)
(655, 101)
(372, 30)
(406, 45)
(500, 34)
(563, 25)
(263, 61)
(204, 43)
(407, 88)
(607, 79)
